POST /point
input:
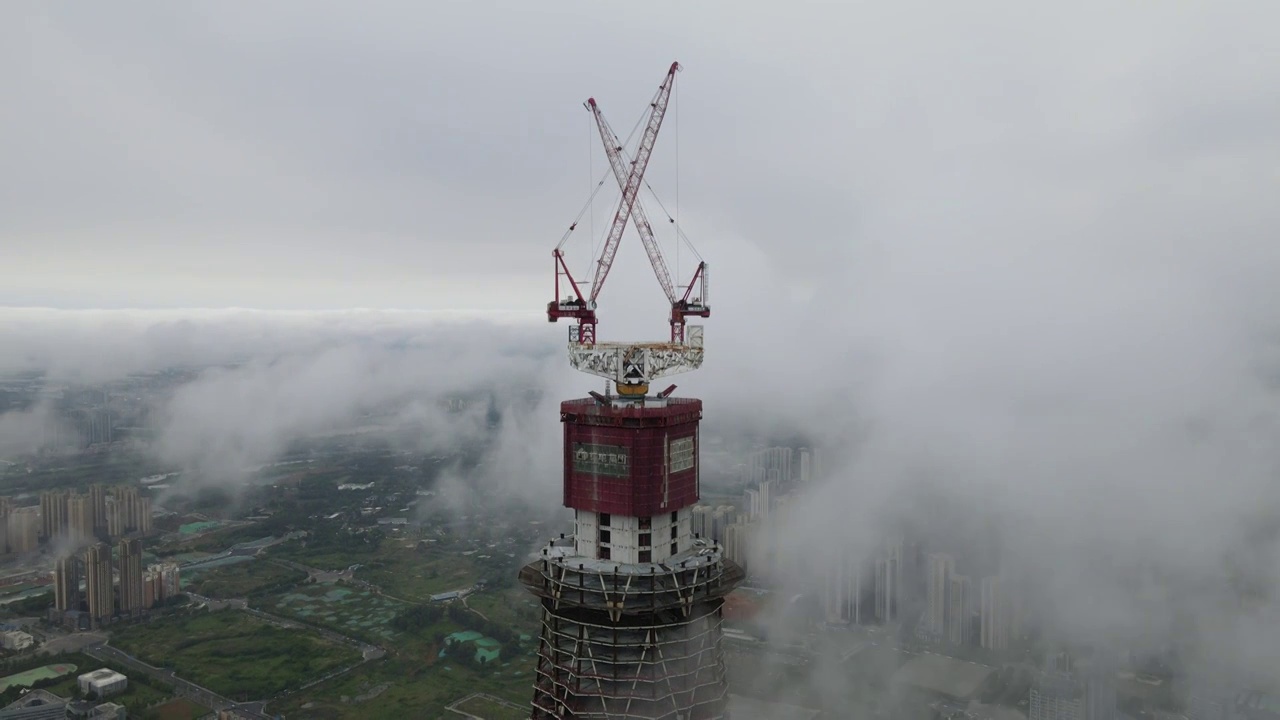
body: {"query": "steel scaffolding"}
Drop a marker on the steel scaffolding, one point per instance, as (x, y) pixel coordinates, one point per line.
(631, 641)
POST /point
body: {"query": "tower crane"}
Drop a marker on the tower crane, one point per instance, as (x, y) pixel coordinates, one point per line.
(630, 176)
(631, 365)
(681, 306)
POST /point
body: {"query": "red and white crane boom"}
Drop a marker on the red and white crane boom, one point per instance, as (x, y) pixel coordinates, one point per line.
(578, 306)
(632, 365)
(681, 305)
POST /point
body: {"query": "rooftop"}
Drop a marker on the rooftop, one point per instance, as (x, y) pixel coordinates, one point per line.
(35, 698)
(102, 674)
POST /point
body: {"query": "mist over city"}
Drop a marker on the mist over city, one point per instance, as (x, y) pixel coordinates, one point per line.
(989, 405)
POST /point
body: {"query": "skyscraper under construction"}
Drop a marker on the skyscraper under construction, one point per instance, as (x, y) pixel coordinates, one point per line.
(631, 603)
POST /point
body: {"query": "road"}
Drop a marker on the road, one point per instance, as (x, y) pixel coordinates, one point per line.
(367, 652)
(184, 688)
(95, 645)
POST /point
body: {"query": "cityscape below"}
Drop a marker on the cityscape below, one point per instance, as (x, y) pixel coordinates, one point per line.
(176, 598)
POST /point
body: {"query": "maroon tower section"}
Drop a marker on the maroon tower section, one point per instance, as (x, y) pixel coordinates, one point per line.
(632, 603)
(635, 460)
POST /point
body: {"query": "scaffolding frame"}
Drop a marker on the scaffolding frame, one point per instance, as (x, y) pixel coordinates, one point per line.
(631, 641)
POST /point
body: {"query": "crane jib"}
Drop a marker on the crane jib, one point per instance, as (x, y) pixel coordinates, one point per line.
(629, 173)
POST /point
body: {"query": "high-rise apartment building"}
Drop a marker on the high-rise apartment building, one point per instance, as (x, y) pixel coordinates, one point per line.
(131, 581)
(125, 509)
(6, 507)
(1056, 696)
(144, 515)
(160, 582)
(99, 583)
(98, 501)
(842, 600)
(721, 518)
(24, 529)
(888, 582)
(115, 517)
(751, 504)
(997, 614)
(701, 521)
(53, 513)
(79, 527)
(769, 465)
(939, 568)
(960, 613)
(68, 572)
(738, 543)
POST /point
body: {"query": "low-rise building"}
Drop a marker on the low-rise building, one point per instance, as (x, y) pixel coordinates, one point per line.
(103, 683)
(16, 640)
(35, 705)
(109, 711)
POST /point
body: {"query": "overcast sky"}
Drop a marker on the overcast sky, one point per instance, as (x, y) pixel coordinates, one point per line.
(429, 155)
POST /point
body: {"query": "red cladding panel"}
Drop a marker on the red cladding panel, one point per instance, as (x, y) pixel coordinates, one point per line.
(633, 461)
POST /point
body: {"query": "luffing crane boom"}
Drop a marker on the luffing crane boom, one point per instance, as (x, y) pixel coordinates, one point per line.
(631, 189)
(631, 365)
(583, 308)
(681, 306)
(617, 160)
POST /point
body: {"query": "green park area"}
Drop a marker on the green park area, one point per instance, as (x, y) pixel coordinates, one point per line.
(417, 574)
(233, 653)
(442, 653)
(245, 579)
(403, 565)
(353, 611)
(196, 528)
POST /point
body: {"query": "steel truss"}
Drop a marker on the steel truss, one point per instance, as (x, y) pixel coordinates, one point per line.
(631, 642)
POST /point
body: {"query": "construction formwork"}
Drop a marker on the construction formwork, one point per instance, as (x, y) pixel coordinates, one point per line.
(631, 641)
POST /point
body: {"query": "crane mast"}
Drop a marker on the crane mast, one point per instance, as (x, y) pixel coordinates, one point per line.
(632, 365)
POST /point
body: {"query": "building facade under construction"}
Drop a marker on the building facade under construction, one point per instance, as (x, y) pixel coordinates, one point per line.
(631, 622)
(632, 602)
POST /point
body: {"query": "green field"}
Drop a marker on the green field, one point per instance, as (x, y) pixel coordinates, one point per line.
(491, 709)
(349, 610)
(334, 556)
(179, 709)
(31, 677)
(416, 686)
(233, 653)
(243, 579)
(416, 680)
(512, 607)
(417, 575)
